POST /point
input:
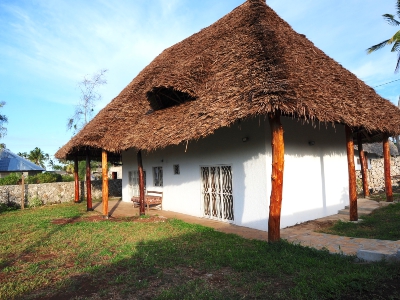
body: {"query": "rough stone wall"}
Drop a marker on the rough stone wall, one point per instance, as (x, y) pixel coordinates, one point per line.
(57, 192)
(376, 180)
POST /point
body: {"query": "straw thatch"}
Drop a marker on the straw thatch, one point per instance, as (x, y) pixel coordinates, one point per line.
(377, 148)
(248, 63)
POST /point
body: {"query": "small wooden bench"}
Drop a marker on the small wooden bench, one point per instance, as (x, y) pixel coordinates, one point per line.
(149, 199)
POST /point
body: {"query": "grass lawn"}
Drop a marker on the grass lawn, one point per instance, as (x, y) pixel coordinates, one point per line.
(79, 257)
(383, 224)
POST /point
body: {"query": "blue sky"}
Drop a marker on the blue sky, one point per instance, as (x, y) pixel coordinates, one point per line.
(48, 46)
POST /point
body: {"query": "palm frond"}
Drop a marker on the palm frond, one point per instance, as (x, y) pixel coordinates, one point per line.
(378, 46)
(391, 20)
(398, 64)
(396, 46)
(398, 8)
(395, 38)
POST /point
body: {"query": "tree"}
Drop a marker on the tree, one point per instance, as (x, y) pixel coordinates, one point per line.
(38, 157)
(23, 154)
(395, 39)
(397, 138)
(3, 130)
(87, 102)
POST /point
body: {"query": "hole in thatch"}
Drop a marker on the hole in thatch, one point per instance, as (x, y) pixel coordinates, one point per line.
(162, 97)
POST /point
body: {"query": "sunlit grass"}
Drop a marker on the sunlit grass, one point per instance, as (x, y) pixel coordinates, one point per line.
(164, 260)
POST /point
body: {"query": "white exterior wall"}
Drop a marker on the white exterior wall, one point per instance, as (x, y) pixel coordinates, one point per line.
(307, 195)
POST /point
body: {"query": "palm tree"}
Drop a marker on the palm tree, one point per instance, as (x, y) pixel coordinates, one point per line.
(395, 39)
(38, 157)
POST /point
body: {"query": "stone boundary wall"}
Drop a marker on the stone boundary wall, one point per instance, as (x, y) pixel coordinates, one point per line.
(376, 180)
(57, 192)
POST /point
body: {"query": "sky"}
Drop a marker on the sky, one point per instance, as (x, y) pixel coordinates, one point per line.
(48, 46)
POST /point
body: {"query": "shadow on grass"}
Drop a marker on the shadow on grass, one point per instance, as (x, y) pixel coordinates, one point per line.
(205, 264)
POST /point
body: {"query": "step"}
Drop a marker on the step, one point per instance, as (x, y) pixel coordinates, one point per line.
(347, 212)
(369, 209)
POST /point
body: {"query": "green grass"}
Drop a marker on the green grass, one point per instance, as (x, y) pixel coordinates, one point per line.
(167, 260)
(383, 224)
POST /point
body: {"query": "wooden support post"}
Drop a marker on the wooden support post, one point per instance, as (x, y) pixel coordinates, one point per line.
(105, 183)
(364, 165)
(23, 191)
(141, 183)
(352, 174)
(278, 151)
(89, 205)
(386, 163)
(76, 176)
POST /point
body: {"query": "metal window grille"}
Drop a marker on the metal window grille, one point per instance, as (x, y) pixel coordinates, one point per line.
(158, 176)
(177, 171)
(217, 192)
(134, 182)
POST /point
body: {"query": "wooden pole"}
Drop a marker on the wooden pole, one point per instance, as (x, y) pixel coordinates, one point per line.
(141, 183)
(23, 191)
(386, 163)
(105, 183)
(352, 174)
(76, 175)
(89, 204)
(364, 166)
(278, 151)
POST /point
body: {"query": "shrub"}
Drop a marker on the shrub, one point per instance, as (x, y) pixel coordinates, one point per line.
(44, 178)
(11, 179)
(35, 202)
(8, 207)
(67, 178)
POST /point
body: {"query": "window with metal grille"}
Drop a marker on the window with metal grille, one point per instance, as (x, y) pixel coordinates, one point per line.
(217, 192)
(158, 176)
(133, 183)
(177, 171)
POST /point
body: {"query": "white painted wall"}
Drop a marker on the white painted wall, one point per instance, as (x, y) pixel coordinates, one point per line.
(307, 195)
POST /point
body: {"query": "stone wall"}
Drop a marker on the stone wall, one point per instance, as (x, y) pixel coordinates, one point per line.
(376, 180)
(57, 192)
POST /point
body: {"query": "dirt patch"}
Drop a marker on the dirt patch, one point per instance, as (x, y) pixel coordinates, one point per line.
(314, 225)
(100, 218)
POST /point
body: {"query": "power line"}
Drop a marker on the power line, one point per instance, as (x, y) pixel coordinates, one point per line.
(386, 83)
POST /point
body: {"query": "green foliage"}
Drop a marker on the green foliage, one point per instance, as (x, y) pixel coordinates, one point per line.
(47, 177)
(394, 40)
(383, 224)
(44, 178)
(35, 202)
(11, 179)
(45, 259)
(67, 178)
(4, 207)
(38, 157)
(3, 120)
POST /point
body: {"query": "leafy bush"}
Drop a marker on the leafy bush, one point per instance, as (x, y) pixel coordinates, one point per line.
(44, 178)
(67, 178)
(35, 202)
(11, 179)
(47, 177)
(8, 207)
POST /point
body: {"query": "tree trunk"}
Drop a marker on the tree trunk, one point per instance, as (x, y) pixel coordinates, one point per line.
(105, 183)
(278, 150)
(352, 174)
(386, 162)
(364, 166)
(141, 183)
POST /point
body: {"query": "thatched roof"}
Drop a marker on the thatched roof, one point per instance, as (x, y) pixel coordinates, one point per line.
(377, 148)
(249, 63)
